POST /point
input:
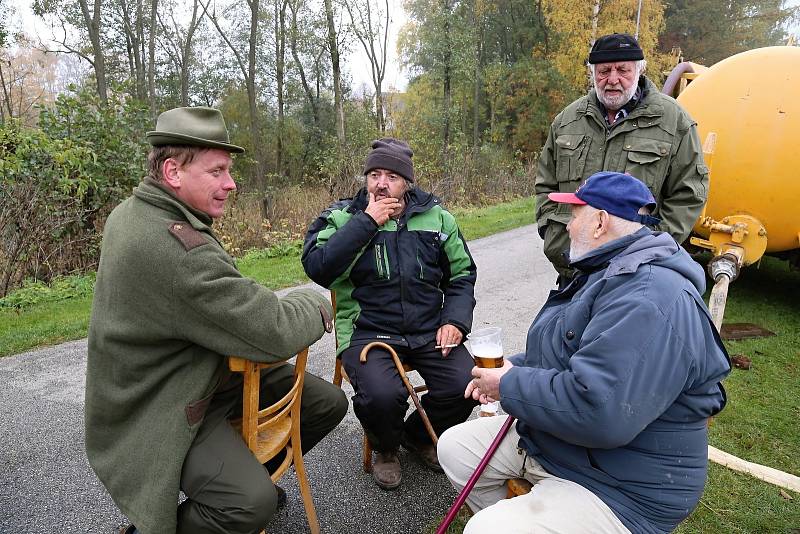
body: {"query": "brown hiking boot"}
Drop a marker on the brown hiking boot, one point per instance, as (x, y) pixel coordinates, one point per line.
(386, 470)
(426, 452)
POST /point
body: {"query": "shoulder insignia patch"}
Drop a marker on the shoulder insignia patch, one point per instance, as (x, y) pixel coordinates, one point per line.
(187, 235)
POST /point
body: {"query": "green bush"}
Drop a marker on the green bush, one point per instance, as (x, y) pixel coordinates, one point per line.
(43, 185)
(59, 182)
(35, 292)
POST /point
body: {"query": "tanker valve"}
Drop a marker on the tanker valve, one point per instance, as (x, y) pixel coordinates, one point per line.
(726, 264)
(737, 231)
(723, 270)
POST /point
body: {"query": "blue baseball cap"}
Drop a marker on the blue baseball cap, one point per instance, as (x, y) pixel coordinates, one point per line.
(615, 192)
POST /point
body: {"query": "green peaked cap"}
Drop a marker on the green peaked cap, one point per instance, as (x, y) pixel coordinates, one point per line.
(195, 126)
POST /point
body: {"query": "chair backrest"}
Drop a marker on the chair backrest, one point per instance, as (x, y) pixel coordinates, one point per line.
(269, 430)
(275, 428)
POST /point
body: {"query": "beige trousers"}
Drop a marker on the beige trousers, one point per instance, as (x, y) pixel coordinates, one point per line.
(554, 505)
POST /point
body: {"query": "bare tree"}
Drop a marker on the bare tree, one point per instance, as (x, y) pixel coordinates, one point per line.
(333, 48)
(178, 46)
(374, 37)
(280, 73)
(151, 59)
(89, 19)
(313, 101)
(446, 85)
(248, 70)
(130, 20)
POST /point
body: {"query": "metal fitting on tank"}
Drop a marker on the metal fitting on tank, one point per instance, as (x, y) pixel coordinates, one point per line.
(726, 264)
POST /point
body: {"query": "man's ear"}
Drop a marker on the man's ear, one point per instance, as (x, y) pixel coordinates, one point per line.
(169, 170)
(603, 220)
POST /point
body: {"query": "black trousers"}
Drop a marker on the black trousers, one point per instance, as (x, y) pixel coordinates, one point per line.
(227, 490)
(381, 400)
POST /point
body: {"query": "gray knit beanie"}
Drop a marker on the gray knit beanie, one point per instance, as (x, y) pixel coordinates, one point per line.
(393, 155)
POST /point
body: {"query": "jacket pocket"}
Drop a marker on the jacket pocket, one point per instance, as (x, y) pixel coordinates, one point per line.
(382, 269)
(427, 256)
(647, 160)
(196, 410)
(572, 152)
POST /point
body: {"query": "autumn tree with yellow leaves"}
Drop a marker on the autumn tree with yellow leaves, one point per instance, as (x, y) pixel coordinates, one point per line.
(574, 26)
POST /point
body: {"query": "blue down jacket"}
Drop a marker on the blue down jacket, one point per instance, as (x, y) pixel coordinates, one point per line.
(621, 372)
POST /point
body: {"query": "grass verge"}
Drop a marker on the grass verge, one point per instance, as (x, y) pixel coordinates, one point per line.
(49, 323)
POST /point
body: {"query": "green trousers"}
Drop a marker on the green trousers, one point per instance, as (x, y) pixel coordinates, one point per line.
(227, 490)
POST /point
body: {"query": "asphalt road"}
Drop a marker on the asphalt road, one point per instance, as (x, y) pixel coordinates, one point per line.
(47, 486)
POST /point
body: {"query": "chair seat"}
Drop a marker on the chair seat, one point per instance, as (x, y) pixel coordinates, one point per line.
(517, 487)
(271, 441)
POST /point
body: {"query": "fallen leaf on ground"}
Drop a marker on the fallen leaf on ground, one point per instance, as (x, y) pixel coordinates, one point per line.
(786, 495)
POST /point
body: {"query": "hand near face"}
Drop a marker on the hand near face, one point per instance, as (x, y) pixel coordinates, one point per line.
(381, 210)
(485, 387)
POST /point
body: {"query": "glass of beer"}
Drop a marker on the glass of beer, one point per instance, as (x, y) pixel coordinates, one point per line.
(486, 345)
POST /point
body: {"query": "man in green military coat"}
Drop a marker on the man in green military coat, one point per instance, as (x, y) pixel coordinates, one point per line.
(625, 125)
(169, 306)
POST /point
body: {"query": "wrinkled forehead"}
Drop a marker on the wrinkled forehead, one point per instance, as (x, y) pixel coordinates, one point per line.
(615, 65)
(581, 209)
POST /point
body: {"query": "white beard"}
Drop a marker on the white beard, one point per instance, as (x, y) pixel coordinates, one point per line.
(579, 247)
(616, 102)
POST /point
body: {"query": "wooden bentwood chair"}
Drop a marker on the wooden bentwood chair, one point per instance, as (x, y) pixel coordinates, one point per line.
(340, 374)
(276, 428)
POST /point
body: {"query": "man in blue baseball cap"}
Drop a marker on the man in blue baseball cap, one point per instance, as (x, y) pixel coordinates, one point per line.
(621, 372)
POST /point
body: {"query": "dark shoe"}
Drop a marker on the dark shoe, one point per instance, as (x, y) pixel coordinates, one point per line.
(130, 529)
(281, 498)
(426, 452)
(386, 470)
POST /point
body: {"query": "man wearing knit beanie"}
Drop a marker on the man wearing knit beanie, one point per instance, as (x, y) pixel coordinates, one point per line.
(625, 124)
(402, 274)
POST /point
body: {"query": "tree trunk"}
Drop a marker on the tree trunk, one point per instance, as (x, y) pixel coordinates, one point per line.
(446, 89)
(366, 33)
(280, 60)
(151, 59)
(303, 80)
(251, 95)
(186, 59)
(333, 47)
(595, 16)
(92, 21)
(476, 101)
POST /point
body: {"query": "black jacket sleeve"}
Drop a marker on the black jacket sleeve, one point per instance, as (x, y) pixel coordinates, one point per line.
(334, 241)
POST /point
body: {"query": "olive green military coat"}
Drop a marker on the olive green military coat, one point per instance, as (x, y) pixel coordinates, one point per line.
(169, 305)
(657, 143)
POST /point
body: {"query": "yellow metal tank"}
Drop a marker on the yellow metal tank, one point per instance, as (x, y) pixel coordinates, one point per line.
(747, 108)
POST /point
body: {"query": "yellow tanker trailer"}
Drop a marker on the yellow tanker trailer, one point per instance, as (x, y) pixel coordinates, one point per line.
(747, 109)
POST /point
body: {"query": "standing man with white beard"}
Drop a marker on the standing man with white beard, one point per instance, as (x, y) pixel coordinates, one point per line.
(626, 125)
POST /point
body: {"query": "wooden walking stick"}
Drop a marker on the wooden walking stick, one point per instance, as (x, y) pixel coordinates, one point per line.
(409, 387)
(459, 502)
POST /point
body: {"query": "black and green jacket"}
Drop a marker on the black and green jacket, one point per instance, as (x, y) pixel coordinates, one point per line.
(399, 282)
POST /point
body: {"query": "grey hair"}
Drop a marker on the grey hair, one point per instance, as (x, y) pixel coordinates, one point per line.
(641, 66)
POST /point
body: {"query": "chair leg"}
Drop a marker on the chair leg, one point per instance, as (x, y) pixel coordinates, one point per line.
(367, 455)
(337, 372)
(305, 490)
